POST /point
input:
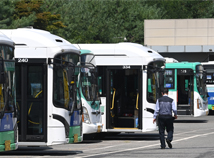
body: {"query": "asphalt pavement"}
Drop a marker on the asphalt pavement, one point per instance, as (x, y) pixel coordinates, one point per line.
(193, 138)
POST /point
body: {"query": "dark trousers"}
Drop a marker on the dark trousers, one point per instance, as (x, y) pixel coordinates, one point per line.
(165, 122)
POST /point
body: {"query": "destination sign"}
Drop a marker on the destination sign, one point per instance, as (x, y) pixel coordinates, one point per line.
(185, 71)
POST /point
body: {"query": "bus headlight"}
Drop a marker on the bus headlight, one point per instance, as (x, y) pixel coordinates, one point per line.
(86, 116)
(199, 104)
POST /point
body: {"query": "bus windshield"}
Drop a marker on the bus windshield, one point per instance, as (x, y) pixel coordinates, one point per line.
(7, 85)
(64, 95)
(153, 81)
(89, 84)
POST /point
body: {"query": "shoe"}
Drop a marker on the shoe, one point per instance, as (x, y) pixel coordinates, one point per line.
(169, 143)
(162, 147)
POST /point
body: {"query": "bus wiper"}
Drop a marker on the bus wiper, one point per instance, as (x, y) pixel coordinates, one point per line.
(66, 63)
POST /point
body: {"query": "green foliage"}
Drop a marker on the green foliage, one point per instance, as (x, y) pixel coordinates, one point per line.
(24, 8)
(98, 21)
(43, 20)
(94, 21)
(7, 11)
(180, 9)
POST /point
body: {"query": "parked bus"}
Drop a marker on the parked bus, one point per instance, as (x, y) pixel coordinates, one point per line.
(89, 94)
(209, 67)
(49, 107)
(129, 81)
(8, 110)
(186, 84)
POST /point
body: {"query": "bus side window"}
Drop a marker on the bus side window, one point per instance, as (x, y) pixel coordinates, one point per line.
(149, 86)
(100, 84)
(186, 85)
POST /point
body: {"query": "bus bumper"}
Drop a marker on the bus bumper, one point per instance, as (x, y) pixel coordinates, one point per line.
(92, 128)
(13, 146)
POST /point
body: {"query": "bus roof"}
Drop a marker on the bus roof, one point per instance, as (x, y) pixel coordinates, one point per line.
(124, 53)
(181, 65)
(5, 40)
(33, 43)
(34, 37)
(208, 63)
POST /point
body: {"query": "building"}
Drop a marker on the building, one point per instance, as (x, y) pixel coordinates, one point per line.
(183, 39)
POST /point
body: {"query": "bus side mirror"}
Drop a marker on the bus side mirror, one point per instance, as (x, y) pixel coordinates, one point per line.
(2, 74)
(161, 81)
(204, 77)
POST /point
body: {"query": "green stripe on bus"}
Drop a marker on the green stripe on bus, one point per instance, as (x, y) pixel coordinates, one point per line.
(8, 135)
(210, 106)
(74, 130)
(12, 147)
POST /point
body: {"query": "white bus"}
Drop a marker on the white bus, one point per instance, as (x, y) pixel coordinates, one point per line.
(209, 67)
(185, 81)
(186, 84)
(129, 77)
(89, 94)
(8, 110)
(49, 107)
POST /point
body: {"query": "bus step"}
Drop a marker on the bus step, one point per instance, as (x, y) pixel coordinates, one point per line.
(183, 112)
(183, 107)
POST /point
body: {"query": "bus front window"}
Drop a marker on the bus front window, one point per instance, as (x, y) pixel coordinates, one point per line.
(201, 85)
(7, 87)
(89, 84)
(154, 71)
(64, 95)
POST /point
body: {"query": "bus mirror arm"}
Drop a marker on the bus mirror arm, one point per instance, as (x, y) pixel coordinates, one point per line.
(2, 74)
(161, 80)
(93, 102)
(204, 76)
(1, 114)
(72, 109)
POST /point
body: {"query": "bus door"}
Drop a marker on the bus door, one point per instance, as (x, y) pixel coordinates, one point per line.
(124, 98)
(191, 94)
(31, 80)
(185, 92)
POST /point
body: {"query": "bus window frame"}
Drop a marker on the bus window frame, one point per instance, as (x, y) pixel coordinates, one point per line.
(173, 77)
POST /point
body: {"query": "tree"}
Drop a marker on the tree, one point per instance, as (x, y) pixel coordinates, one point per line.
(95, 21)
(177, 9)
(7, 10)
(44, 20)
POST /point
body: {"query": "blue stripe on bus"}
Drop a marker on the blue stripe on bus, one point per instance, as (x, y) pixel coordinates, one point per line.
(75, 119)
(211, 98)
(6, 122)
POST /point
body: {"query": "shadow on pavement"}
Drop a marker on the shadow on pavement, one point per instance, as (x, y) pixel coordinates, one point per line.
(39, 151)
(120, 136)
(132, 136)
(190, 121)
(90, 141)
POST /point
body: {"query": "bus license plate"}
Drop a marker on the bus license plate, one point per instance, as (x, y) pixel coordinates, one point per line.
(7, 145)
(98, 129)
(75, 138)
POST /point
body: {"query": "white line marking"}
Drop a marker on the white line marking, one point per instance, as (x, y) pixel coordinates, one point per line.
(103, 147)
(141, 141)
(147, 146)
(192, 131)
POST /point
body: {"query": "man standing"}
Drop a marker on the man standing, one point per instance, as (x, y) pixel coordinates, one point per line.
(164, 108)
